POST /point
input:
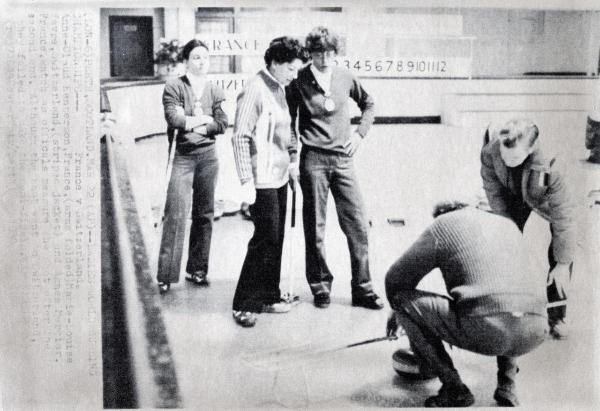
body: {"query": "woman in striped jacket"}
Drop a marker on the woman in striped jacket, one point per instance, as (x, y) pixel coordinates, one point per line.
(265, 156)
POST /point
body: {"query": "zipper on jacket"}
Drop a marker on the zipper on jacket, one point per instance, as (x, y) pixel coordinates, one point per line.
(270, 133)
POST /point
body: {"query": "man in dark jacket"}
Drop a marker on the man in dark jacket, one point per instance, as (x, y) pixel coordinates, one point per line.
(518, 178)
(496, 305)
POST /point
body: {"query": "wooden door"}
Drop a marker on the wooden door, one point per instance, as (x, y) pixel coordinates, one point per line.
(131, 46)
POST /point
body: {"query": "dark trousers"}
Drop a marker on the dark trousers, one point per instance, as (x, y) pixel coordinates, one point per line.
(192, 183)
(519, 213)
(429, 319)
(259, 280)
(321, 172)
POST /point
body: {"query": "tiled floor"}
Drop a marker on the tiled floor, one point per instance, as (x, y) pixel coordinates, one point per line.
(403, 170)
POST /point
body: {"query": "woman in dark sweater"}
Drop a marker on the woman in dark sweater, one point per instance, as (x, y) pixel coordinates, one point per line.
(192, 106)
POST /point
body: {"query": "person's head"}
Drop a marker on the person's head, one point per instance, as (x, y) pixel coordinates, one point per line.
(323, 47)
(196, 57)
(444, 207)
(284, 57)
(592, 133)
(517, 141)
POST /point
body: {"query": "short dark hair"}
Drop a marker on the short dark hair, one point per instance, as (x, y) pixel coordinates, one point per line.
(444, 207)
(516, 130)
(191, 45)
(285, 50)
(321, 39)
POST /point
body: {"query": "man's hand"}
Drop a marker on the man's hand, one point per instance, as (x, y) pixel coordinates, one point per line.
(561, 276)
(351, 145)
(392, 325)
(248, 192)
(294, 175)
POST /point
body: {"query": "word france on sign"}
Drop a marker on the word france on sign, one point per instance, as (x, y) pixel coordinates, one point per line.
(224, 44)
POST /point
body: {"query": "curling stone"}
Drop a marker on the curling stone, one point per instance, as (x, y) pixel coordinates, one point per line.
(407, 366)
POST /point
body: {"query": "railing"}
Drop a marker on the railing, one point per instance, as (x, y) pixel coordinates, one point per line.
(139, 371)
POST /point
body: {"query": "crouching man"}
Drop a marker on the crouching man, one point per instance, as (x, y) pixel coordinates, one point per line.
(497, 305)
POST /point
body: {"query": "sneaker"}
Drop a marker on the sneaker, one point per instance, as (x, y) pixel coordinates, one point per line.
(451, 396)
(559, 329)
(594, 156)
(279, 307)
(408, 365)
(163, 287)
(370, 301)
(322, 300)
(198, 278)
(506, 398)
(245, 210)
(244, 318)
(291, 299)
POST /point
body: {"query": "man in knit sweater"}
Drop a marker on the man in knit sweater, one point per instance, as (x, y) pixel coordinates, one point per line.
(319, 106)
(496, 305)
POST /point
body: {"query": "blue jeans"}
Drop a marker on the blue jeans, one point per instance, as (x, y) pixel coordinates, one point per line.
(429, 319)
(193, 180)
(320, 172)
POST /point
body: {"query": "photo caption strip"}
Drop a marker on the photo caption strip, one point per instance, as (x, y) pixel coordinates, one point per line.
(51, 195)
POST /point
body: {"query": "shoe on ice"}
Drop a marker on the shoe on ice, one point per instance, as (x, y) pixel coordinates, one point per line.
(594, 156)
(559, 329)
(506, 398)
(163, 287)
(244, 318)
(198, 278)
(291, 299)
(451, 396)
(322, 300)
(370, 301)
(279, 307)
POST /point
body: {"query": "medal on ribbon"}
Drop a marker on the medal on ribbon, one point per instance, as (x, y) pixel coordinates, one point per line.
(198, 108)
(328, 103)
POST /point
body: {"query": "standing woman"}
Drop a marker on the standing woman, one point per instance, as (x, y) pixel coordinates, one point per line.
(265, 156)
(194, 117)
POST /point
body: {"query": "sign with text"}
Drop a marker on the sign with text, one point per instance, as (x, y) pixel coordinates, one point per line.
(224, 44)
(229, 44)
(230, 82)
(232, 85)
(447, 67)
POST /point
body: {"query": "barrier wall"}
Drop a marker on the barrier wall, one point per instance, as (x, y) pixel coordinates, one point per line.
(138, 367)
(465, 108)
(467, 103)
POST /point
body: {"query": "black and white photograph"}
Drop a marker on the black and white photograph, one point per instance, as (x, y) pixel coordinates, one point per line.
(301, 205)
